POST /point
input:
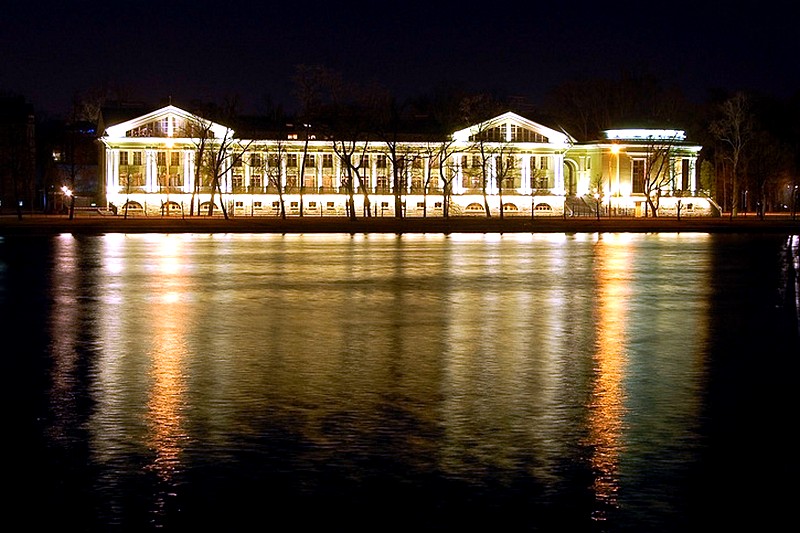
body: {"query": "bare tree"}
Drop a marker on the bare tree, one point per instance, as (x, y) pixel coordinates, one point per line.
(271, 167)
(734, 129)
(659, 171)
(596, 185)
(77, 155)
(199, 129)
(214, 158)
(448, 172)
(506, 170)
(536, 177)
(436, 172)
(479, 110)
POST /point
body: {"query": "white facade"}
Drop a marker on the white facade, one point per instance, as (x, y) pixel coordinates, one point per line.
(150, 164)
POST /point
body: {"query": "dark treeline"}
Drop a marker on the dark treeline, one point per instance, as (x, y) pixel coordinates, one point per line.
(750, 160)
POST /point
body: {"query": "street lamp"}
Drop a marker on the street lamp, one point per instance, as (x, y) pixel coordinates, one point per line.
(597, 201)
(68, 194)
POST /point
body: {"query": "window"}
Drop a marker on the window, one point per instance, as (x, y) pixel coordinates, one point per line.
(257, 205)
(520, 134)
(123, 159)
(496, 134)
(161, 159)
(239, 204)
(137, 158)
(175, 159)
(311, 161)
(327, 160)
(380, 161)
(255, 160)
(684, 174)
(291, 160)
(638, 175)
(544, 162)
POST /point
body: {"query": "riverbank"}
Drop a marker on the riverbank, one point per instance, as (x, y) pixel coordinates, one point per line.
(97, 224)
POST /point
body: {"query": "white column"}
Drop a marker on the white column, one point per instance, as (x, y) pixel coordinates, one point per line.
(226, 178)
(150, 171)
(527, 186)
(188, 171)
(458, 181)
(558, 173)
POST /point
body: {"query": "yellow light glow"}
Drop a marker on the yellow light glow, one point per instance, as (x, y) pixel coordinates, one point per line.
(607, 407)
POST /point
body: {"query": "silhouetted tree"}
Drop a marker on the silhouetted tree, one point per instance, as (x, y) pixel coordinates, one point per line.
(733, 129)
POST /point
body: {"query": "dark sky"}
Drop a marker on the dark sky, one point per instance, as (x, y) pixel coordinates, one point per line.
(207, 51)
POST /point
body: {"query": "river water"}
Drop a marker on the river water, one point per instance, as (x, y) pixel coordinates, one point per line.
(586, 382)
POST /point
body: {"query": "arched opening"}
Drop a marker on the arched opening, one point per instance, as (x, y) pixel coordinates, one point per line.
(171, 208)
(132, 207)
(543, 207)
(205, 206)
(570, 177)
(474, 207)
(509, 207)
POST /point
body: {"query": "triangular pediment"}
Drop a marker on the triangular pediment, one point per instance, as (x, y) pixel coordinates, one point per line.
(169, 121)
(510, 127)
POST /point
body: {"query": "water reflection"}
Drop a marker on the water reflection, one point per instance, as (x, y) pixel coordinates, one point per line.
(168, 359)
(607, 404)
(65, 327)
(563, 373)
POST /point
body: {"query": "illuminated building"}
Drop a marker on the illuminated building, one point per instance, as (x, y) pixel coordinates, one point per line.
(172, 162)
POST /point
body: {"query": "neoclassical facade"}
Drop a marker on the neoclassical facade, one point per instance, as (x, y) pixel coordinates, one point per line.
(171, 162)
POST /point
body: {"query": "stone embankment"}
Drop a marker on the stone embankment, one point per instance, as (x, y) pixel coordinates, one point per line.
(96, 224)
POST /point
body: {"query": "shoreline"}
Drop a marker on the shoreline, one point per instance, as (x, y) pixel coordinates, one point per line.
(10, 225)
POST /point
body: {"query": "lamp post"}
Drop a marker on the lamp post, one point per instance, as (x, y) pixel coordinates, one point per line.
(597, 201)
(68, 194)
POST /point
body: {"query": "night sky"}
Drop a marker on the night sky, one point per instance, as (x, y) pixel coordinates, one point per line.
(212, 50)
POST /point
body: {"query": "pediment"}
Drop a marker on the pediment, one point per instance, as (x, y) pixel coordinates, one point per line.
(169, 121)
(510, 127)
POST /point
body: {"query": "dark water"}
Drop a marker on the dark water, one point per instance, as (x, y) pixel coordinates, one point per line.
(289, 383)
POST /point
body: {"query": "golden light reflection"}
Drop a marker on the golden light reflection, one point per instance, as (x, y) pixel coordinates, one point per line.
(165, 417)
(65, 326)
(607, 404)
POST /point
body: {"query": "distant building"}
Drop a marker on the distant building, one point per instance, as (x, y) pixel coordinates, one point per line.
(171, 162)
(17, 155)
